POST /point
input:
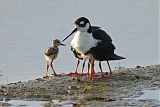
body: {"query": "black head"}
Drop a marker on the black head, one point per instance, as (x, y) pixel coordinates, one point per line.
(82, 24)
(57, 42)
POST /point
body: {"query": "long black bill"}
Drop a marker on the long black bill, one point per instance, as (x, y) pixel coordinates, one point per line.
(62, 44)
(70, 34)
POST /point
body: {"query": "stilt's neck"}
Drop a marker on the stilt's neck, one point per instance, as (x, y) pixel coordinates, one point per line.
(89, 30)
(54, 46)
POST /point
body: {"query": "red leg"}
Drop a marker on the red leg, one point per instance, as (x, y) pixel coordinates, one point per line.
(89, 69)
(92, 70)
(91, 75)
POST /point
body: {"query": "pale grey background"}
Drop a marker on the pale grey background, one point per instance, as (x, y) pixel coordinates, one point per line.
(28, 26)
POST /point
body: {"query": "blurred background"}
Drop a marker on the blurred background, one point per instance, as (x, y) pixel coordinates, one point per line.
(27, 27)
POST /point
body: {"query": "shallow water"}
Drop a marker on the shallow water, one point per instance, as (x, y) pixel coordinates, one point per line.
(153, 93)
(26, 29)
(22, 103)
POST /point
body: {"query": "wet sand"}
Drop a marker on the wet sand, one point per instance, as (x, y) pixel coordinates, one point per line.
(119, 90)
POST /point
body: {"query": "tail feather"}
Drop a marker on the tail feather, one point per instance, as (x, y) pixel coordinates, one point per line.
(115, 57)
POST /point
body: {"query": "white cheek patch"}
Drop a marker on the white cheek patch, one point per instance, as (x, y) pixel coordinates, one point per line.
(87, 26)
(76, 26)
(81, 23)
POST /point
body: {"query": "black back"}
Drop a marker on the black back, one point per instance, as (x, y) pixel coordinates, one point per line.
(101, 35)
(105, 48)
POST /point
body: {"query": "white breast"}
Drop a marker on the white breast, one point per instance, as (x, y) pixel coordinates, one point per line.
(83, 41)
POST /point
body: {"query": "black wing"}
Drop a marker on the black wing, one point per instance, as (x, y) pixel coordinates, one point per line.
(101, 35)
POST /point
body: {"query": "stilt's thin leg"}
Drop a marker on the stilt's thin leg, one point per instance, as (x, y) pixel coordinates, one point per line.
(92, 70)
(46, 70)
(83, 66)
(101, 68)
(77, 66)
(110, 71)
(54, 73)
(88, 69)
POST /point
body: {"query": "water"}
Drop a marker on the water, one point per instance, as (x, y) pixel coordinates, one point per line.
(22, 103)
(27, 28)
(150, 94)
(147, 94)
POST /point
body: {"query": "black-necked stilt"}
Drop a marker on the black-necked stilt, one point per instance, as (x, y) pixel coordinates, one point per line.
(92, 45)
(50, 54)
(78, 55)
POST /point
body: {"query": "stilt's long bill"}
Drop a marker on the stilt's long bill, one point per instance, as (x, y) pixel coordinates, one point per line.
(92, 45)
(51, 54)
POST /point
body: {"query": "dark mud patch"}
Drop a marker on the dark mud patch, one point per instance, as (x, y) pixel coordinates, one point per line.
(101, 99)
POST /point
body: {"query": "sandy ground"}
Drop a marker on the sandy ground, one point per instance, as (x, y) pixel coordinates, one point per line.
(116, 91)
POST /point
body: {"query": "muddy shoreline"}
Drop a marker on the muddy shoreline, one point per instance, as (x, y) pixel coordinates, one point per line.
(117, 90)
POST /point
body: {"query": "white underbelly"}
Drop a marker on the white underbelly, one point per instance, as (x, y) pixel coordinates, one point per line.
(83, 42)
(50, 58)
